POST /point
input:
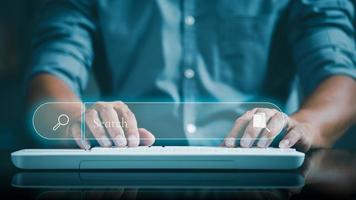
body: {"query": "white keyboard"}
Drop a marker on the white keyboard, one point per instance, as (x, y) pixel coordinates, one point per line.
(158, 157)
(189, 150)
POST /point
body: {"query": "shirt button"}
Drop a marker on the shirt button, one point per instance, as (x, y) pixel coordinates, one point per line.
(191, 128)
(189, 73)
(189, 20)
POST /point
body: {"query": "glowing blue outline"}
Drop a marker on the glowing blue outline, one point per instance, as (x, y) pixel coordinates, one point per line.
(83, 127)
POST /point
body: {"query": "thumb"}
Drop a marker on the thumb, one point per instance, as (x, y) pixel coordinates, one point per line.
(146, 137)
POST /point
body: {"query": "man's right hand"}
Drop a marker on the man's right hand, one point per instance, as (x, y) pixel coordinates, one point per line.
(111, 124)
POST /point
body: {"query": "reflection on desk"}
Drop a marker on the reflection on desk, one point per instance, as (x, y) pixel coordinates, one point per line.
(331, 172)
(160, 180)
(153, 185)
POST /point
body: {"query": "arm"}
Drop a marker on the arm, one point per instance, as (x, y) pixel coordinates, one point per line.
(330, 110)
(323, 46)
(321, 37)
(62, 55)
(46, 86)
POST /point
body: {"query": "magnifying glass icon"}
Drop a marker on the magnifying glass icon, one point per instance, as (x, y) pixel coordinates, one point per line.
(63, 120)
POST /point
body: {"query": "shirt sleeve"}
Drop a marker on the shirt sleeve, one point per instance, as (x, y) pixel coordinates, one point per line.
(322, 39)
(62, 42)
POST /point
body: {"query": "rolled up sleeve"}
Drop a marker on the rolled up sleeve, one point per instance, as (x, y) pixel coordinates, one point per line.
(322, 40)
(62, 42)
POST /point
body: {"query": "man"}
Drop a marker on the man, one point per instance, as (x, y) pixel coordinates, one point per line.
(197, 50)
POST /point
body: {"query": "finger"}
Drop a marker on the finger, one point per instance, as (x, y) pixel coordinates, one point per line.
(129, 125)
(303, 143)
(239, 125)
(108, 114)
(292, 137)
(94, 124)
(274, 126)
(75, 131)
(251, 133)
(146, 137)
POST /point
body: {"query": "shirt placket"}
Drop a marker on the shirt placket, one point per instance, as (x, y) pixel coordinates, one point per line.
(189, 68)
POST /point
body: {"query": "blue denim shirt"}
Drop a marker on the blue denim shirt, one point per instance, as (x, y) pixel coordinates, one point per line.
(195, 50)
